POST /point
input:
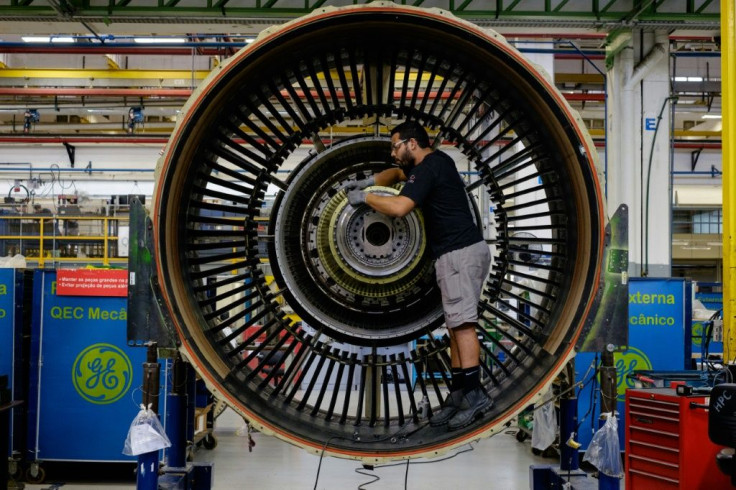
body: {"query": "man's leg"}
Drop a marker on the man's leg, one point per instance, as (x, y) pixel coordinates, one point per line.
(475, 399)
(468, 348)
(455, 364)
(466, 345)
(452, 402)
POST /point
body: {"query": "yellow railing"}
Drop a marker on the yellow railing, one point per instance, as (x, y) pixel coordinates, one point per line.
(60, 238)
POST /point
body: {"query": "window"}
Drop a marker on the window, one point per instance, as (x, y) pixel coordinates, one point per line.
(701, 221)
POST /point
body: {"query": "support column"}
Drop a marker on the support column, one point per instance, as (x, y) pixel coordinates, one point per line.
(728, 86)
(638, 146)
(656, 155)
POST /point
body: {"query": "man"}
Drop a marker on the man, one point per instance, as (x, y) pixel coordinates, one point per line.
(462, 256)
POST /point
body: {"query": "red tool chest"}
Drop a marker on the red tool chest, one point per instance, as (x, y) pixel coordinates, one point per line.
(667, 443)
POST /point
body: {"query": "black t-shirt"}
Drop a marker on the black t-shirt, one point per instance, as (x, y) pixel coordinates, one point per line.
(436, 187)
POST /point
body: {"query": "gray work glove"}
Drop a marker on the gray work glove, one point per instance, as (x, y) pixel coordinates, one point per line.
(356, 197)
(361, 184)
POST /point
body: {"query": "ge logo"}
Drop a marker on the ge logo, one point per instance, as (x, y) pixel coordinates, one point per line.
(697, 333)
(627, 362)
(102, 373)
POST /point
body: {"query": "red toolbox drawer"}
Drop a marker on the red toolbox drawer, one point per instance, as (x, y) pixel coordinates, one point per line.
(667, 443)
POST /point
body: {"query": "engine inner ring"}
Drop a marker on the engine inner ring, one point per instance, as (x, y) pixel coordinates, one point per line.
(336, 276)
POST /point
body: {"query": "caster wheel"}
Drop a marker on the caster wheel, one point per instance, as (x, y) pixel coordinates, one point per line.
(35, 474)
(14, 470)
(521, 436)
(209, 442)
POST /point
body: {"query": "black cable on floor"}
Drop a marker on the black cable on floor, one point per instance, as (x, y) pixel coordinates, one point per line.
(409, 462)
(321, 456)
(396, 434)
(361, 472)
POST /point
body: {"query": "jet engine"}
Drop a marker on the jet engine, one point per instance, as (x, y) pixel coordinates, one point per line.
(321, 323)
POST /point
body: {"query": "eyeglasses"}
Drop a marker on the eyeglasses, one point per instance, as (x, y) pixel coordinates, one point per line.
(396, 145)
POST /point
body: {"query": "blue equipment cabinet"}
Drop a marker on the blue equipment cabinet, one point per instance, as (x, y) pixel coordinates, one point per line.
(659, 339)
(84, 377)
(7, 336)
(13, 352)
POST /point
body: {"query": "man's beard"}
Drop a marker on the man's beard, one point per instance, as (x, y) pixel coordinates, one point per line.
(406, 165)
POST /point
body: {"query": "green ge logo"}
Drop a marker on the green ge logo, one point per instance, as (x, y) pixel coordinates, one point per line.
(627, 362)
(697, 333)
(102, 373)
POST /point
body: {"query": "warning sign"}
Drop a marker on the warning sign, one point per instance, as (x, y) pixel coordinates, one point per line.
(92, 282)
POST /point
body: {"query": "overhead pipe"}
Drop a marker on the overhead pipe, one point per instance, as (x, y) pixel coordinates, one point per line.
(74, 170)
(641, 70)
(106, 126)
(94, 92)
(163, 138)
(179, 93)
(60, 139)
(86, 74)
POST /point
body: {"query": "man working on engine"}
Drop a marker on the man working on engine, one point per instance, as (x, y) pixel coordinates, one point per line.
(462, 256)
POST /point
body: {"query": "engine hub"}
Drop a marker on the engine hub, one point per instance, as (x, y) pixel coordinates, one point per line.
(365, 277)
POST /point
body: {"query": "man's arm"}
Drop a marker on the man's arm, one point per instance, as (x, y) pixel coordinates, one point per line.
(389, 177)
(395, 206)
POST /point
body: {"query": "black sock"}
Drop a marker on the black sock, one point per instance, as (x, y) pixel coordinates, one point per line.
(458, 379)
(471, 379)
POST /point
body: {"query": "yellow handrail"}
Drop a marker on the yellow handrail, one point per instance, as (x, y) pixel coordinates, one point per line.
(43, 238)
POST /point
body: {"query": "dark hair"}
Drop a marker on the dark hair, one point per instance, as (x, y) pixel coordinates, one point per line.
(412, 129)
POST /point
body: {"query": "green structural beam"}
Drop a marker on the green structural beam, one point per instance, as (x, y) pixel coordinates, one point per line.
(682, 14)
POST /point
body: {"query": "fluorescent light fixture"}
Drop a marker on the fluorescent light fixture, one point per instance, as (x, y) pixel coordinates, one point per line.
(36, 39)
(249, 40)
(47, 39)
(159, 40)
(710, 116)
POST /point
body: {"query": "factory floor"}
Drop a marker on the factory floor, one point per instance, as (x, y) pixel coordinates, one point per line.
(498, 462)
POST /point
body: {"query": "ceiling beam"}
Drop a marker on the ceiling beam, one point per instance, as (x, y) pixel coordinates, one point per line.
(590, 15)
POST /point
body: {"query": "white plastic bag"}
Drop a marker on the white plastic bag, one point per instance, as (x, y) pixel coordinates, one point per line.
(146, 434)
(604, 452)
(545, 424)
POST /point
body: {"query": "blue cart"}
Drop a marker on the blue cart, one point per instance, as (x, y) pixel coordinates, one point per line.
(14, 317)
(85, 380)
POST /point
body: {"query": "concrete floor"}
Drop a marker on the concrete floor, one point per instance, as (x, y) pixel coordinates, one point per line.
(500, 462)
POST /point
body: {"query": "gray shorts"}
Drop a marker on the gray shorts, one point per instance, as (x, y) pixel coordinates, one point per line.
(460, 275)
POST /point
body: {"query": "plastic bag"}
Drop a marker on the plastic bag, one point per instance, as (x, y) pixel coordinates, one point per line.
(604, 452)
(544, 431)
(146, 434)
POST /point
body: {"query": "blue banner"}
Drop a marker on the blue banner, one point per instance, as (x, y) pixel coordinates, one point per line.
(89, 380)
(7, 328)
(8, 334)
(659, 339)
